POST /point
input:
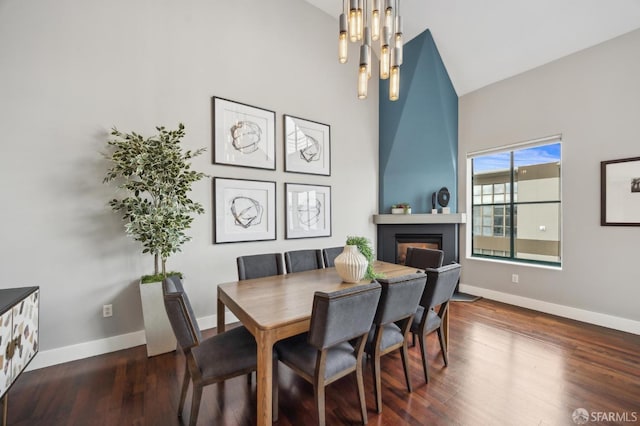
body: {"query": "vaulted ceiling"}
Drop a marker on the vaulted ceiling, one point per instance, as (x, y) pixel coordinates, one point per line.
(482, 42)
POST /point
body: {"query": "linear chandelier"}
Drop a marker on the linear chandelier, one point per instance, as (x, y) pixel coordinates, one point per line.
(362, 24)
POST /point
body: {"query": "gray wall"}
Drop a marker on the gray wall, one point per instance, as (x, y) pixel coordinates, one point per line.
(592, 99)
(72, 69)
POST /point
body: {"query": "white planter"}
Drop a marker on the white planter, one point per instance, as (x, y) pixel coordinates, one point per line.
(401, 211)
(351, 265)
(157, 328)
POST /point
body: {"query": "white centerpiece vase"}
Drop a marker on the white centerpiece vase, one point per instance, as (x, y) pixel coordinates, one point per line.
(351, 265)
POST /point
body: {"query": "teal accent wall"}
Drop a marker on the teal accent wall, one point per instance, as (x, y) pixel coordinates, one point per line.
(419, 131)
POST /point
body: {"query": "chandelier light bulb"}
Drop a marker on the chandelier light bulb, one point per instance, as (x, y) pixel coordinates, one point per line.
(353, 20)
(394, 77)
(363, 78)
(343, 42)
(375, 20)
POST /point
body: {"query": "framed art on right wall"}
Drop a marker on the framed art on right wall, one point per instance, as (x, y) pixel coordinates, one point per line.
(620, 192)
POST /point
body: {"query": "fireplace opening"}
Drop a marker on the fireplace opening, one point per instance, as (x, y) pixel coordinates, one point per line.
(404, 241)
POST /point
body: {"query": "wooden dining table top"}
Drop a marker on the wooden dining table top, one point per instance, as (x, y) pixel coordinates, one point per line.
(271, 302)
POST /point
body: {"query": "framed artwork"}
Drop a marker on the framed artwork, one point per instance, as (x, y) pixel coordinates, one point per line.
(307, 146)
(620, 192)
(308, 211)
(245, 210)
(243, 135)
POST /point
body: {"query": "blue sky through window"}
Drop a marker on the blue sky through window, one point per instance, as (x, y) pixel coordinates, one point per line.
(524, 157)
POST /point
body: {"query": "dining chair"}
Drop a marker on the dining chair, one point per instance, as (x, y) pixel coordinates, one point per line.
(441, 283)
(398, 303)
(259, 265)
(210, 360)
(329, 255)
(424, 258)
(303, 260)
(324, 354)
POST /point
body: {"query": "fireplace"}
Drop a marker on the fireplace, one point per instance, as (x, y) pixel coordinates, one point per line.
(396, 230)
(391, 236)
(426, 241)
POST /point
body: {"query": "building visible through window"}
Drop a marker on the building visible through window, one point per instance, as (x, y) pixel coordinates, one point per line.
(516, 204)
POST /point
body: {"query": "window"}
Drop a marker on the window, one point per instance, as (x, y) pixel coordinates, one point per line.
(516, 203)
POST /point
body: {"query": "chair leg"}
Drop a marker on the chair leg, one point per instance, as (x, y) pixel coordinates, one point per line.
(318, 390)
(443, 346)
(185, 387)
(423, 352)
(195, 404)
(361, 397)
(377, 385)
(405, 365)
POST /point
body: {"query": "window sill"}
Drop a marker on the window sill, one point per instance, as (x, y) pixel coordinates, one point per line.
(514, 263)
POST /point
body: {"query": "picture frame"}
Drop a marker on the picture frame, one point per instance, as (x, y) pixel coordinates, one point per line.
(244, 210)
(243, 135)
(620, 192)
(307, 211)
(307, 146)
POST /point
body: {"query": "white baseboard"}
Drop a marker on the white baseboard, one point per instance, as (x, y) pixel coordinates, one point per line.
(604, 320)
(110, 344)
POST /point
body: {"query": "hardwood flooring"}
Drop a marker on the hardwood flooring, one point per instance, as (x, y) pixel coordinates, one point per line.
(507, 366)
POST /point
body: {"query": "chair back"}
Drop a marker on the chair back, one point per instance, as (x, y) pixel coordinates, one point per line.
(441, 285)
(424, 258)
(181, 316)
(342, 315)
(329, 255)
(303, 260)
(399, 297)
(259, 265)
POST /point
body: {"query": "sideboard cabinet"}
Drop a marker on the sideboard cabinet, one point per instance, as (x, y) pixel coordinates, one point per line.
(18, 335)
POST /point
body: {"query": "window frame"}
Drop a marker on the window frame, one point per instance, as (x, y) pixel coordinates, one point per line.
(510, 204)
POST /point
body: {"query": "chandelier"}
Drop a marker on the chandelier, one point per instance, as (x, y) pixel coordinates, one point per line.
(363, 22)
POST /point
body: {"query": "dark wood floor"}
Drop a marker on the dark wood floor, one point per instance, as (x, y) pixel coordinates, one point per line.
(507, 366)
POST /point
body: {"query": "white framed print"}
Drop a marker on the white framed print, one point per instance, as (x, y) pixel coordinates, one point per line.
(620, 192)
(307, 146)
(243, 135)
(307, 211)
(245, 210)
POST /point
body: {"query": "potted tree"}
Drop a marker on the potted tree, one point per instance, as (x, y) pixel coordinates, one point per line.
(155, 175)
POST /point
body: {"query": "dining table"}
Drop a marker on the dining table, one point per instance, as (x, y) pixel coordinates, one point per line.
(276, 307)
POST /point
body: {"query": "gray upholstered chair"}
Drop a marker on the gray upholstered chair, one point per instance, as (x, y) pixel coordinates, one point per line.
(423, 258)
(303, 260)
(398, 303)
(211, 360)
(324, 354)
(259, 265)
(441, 283)
(329, 255)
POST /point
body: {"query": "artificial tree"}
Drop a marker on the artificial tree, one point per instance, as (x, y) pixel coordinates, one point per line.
(156, 175)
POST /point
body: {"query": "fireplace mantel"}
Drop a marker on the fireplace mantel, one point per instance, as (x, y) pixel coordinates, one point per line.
(418, 219)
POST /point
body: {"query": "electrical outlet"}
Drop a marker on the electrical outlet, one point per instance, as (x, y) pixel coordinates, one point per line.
(514, 278)
(107, 310)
